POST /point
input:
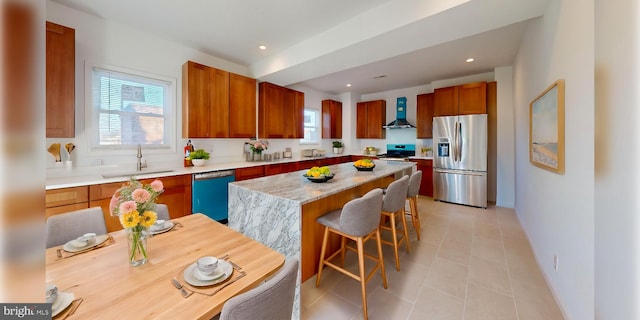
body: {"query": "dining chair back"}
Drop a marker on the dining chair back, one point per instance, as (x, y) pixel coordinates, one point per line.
(392, 208)
(64, 227)
(162, 211)
(273, 299)
(412, 197)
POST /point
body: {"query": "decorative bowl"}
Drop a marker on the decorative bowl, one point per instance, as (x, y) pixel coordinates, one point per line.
(321, 178)
(365, 168)
(198, 162)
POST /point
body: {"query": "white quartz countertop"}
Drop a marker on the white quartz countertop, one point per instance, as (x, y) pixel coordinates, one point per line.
(58, 178)
(294, 186)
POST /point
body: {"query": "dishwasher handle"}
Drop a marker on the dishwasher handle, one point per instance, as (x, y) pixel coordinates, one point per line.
(213, 174)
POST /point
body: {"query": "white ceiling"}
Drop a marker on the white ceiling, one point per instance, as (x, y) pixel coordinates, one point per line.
(326, 44)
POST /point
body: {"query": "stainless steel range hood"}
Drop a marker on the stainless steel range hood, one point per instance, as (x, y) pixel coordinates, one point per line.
(401, 116)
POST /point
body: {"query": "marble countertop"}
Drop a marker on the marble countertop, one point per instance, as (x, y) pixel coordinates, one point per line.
(58, 178)
(293, 186)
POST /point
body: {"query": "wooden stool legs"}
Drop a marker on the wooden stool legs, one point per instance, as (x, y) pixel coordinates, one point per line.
(395, 241)
(415, 218)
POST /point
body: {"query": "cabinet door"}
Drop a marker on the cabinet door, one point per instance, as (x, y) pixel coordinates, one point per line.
(242, 106)
(298, 116)
(290, 112)
(60, 81)
(331, 119)
(271, 121)
(361, 120)
(218, 111)
(195, 100)
(445, 101)
(376, 117)
(472, 98)
(249, 173)
(424, 110)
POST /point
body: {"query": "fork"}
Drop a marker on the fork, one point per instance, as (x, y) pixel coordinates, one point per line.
(180, 287)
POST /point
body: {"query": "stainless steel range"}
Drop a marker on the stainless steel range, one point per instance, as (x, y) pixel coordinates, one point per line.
(399, 152)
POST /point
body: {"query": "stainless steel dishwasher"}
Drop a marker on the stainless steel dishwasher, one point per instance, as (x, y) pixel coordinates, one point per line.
(210, 194)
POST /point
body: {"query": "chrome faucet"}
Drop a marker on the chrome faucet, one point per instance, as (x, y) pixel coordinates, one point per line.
(139, 165)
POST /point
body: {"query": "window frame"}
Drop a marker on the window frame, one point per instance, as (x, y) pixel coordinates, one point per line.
(92, 114)
(317, 126)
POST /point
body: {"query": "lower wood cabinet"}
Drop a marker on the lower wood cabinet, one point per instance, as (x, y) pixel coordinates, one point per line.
(249, 173)
(66, 199)
(426, 186)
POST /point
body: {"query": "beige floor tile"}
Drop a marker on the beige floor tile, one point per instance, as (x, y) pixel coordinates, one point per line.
(448, 276)
(488, 249)
(422, 254)
(386, 306)
(483, 304)
(456, 247)
(489, 275)
(331, 306)
(407, 283)
(487, 231)
(533, 311)
(434, 304)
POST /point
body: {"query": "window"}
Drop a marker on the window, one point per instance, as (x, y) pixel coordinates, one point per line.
(129, 108)
(311, 126)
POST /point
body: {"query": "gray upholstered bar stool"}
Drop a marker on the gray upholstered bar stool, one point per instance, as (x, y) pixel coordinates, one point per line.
(357, 220)
(393, 207)
(412, 196)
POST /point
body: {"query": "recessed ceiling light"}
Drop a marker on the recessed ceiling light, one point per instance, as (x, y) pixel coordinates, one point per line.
(263, 47)
(348, 84)
(470, 60)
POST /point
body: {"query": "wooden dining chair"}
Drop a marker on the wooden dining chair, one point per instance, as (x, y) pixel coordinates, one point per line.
(412, 197)
(64, 227)
(392, 208)
(358, 221)
(273, 299)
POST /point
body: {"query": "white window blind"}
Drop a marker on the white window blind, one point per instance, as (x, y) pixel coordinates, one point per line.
(130, 109)
(311, 126)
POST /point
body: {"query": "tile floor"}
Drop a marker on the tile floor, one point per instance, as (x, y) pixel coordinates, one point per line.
(470, 263)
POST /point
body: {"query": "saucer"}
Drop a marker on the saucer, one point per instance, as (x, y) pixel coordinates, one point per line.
(63, 301)
(168, 225)
(72, 246)
(223, 272)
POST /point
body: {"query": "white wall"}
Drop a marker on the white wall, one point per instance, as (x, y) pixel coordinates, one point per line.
(617, 200)
(557, 210)
(505, 149)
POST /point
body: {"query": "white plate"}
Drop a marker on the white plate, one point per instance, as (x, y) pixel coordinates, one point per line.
(71, 245)
(168, 225)
(191, 274)
(63, 301)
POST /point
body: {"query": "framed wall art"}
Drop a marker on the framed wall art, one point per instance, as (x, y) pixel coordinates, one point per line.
(546, 129)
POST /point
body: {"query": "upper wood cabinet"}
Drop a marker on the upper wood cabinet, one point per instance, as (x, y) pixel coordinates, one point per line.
(216, 103)
(242, 106)
(463, 99)
(60, 81)
(331, 119)
(370, 117)
(280, 112)
(424, 111)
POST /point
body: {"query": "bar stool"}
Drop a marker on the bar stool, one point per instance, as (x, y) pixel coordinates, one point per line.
(392, 207)
(357, 220)
(412, 196)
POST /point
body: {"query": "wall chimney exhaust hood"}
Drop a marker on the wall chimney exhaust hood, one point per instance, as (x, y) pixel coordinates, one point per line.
(401, 116)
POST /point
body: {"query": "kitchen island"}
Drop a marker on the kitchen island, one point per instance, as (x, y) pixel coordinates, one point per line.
(280, 211)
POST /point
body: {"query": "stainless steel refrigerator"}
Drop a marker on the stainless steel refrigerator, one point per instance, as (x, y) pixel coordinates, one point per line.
(460, 159)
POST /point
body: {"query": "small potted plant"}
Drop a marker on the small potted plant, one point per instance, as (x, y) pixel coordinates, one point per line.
(338, 147)
(199, 157)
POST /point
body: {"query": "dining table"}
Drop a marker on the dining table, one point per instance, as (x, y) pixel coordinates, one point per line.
(108, 287)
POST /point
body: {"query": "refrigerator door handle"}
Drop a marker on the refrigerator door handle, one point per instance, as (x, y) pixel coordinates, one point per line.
(459, 152)
(454, 148)
(461, 172)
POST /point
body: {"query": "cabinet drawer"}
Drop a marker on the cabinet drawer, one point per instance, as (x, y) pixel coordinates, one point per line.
(63, 209)
(249, 173)
(66, 196)
(103, 191)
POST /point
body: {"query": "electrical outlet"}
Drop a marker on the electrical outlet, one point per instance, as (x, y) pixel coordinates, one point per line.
(555, 262)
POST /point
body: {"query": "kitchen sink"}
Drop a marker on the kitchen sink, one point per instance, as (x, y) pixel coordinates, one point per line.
(133, 173)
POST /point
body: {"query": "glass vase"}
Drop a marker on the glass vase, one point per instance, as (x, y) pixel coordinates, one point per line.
(137, 241)
(257, 156)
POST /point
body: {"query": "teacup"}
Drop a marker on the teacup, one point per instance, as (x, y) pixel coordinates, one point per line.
(88, 238)
(158, 225)
(51, 293)
(207, 265)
